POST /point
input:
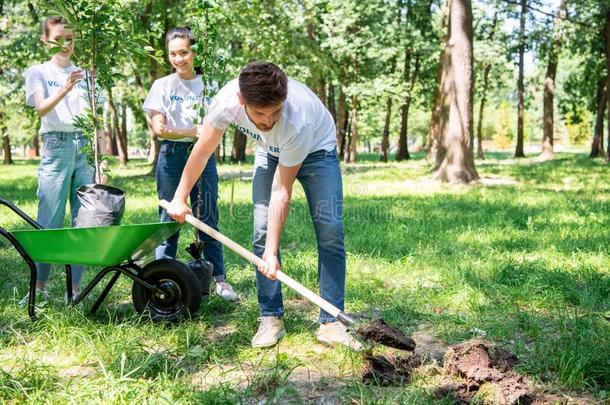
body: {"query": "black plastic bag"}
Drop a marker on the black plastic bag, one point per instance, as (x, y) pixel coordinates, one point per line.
(100, 205)
(201, 267)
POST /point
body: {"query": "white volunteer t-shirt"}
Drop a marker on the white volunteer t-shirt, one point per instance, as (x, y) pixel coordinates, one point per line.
(305, 124)
(177, 99)
(50, 78)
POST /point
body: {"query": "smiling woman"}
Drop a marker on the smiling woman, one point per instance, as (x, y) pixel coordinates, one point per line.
(173, 104)
(54, 90)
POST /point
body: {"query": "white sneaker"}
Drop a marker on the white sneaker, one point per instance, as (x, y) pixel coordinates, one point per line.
(335, 333)
(41, 296)
(75, 295)
(225, 290)
(270, 331)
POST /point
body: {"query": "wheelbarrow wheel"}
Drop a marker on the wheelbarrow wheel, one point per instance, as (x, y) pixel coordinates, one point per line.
(178, 292)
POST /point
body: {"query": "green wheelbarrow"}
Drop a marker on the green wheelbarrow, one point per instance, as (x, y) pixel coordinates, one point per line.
(165, 289)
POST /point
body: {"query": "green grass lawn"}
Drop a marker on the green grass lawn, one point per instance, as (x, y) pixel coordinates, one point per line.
(522, 259)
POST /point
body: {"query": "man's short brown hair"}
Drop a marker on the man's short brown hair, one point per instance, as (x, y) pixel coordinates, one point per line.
(263, 84)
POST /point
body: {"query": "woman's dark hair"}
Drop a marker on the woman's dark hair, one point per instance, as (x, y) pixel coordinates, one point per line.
(263, 84)
(184, 33)
(49, 21)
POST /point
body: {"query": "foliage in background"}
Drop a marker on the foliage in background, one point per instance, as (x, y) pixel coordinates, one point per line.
(104, 35)
(504, 134)
(208, 54)
(319, 42)
(579, 124)
(20, 47)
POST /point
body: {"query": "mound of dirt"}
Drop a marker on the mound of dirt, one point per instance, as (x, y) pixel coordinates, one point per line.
(380, 332)
(389, 370)
(480, 362)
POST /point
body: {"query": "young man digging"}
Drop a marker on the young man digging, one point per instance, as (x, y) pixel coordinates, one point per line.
(296, 137)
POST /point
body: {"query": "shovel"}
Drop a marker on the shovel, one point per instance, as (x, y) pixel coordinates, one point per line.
(377, 330)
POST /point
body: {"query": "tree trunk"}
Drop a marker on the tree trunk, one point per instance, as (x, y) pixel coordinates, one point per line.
(348, 141)
(345, 135)
(354, 138)
(6, 150)
(410, 79)
(480, 153)
(549, 86)
(122, 137)
(437, 149)
(548, 119)
(403, 144)
(435, 130)
(36, 142)
(119, 129)
(6, 143)
(331, 101)
(596, 144)
(341, 123)
(457, 164)
(322, 91)
(224, 148)
(153, 150)
(519, 151)
(486, 72)
(154, 144)
(385, 139)
(108, 132)
(217, 154)
(238, 153)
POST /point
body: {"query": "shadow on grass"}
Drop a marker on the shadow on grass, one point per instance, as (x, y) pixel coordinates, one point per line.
(478, 242)
(554, 319)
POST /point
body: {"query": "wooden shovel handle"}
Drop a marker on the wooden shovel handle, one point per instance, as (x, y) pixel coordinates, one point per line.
(257, 261)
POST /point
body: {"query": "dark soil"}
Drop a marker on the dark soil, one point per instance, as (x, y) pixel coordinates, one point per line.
(389, 370)
(380, 332)
(480, 362)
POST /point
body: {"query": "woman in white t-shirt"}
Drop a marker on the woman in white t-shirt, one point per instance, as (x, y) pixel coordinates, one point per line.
(173, 106)
(57, 92)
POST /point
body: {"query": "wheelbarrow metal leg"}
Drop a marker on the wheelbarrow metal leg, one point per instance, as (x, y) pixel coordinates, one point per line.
(105, 292)
(22, 214)
(32, 293)
(69, 283)
(98, 277)
(123, 269)
(31, 265)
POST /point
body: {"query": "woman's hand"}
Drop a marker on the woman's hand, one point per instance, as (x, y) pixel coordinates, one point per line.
(178, 210)
(72, 80)
(45, 105)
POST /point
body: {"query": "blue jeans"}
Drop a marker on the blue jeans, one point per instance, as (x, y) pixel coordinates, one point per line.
(320, 177)
(63, 168)
(172, 159)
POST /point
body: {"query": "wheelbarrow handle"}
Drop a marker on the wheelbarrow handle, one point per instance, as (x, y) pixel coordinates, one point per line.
(257, 261)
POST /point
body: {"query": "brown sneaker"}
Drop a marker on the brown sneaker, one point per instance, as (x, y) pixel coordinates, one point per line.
(270, 331)
(335, 333)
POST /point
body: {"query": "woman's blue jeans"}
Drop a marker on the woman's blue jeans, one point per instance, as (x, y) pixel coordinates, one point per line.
(63, 168)
(172, 159)
(320, 177)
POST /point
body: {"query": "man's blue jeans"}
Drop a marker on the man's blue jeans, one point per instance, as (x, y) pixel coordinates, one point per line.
(320, 177)
(172, 159)
(63, 168)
